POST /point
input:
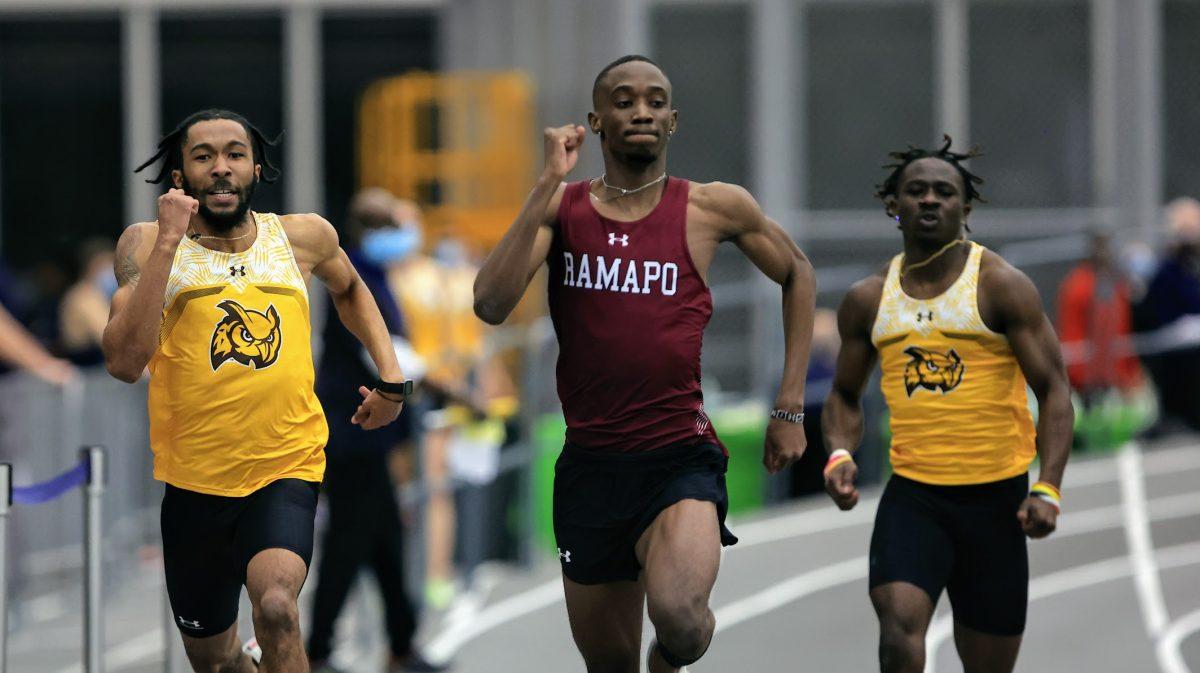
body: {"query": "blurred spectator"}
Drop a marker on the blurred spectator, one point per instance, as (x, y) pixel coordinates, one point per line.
(19, 349)
(1172, 298)
(807, 474)
(83, 311)
(364, 527)
(466, 401)
(1094, 323)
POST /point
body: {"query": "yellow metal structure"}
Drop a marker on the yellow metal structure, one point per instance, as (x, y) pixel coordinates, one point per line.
(459, 144)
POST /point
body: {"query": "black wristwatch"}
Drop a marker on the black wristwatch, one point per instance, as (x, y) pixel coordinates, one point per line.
(389, 388)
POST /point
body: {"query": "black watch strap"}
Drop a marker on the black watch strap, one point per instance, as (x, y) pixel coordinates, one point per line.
(402, 388)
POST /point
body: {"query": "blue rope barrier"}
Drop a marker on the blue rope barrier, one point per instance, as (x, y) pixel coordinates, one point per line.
(50, 489)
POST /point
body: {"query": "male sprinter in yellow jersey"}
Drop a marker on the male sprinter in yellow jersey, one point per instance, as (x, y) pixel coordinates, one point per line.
(212, 297)
(959, 332)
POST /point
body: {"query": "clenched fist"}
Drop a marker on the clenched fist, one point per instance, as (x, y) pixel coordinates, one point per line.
(562, 149)
(175, 210)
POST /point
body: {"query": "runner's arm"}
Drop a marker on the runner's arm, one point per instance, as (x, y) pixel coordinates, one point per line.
(1018, 309)
(769, 247)
(516, 258)
(842, 417)
(356, 307)
(144, 256)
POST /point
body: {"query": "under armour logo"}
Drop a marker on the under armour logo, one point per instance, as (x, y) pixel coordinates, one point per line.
(239, 270)
(623, 239)
(928, 315)
(564, 555)
(191, 624)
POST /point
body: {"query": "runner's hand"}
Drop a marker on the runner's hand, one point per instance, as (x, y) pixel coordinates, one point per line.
(562, 147)
(1038, 518)
(785, 443)
(376, 410)
(175, 210)
(839, 484)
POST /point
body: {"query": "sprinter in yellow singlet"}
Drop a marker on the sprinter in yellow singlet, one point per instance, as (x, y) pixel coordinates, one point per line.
(958, 333)
(213, 299)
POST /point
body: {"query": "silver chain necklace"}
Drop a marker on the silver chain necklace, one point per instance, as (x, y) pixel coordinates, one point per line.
(635, 190)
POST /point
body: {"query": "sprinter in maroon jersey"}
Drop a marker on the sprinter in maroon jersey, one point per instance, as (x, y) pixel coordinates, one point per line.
(639, 492)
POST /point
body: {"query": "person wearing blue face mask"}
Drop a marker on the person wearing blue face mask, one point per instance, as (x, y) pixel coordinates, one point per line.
(83, 311)
(364, 527)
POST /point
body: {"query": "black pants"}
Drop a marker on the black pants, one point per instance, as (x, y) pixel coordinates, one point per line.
(364, 529)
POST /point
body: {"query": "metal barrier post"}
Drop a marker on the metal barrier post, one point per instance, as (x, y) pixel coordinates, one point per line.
(5, 505)
(93, 635)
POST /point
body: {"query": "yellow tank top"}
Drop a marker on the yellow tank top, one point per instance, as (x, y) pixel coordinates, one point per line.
(232, 406)
(959, 412)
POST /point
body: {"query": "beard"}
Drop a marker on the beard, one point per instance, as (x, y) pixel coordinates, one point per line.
(223, 222)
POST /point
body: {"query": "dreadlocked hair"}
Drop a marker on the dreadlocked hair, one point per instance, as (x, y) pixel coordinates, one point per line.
(170, 148)
(891, 185)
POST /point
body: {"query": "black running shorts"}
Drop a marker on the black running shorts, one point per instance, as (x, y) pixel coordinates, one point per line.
(208, 540)
(603, 502)
(965, 539)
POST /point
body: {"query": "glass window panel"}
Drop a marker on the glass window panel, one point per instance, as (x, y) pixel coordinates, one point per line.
(1030, 82)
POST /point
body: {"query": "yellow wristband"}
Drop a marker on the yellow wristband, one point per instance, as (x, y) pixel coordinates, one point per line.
(1048, 489)
(837, 458)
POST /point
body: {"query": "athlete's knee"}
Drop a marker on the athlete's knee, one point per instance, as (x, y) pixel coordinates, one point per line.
(276, 612)
(684, 627)
(901, 649)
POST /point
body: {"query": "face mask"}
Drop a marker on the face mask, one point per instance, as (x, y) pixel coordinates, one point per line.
(107, 283)
(451, 253)
(390, 245)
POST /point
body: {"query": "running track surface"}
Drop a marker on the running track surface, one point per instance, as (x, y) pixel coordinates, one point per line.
(1115, 589)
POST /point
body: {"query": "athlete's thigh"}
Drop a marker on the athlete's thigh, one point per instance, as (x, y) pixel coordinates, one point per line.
(200, 561)
(279, 517)
(990, 584)
(680, 553)
(911, 543)
(984, 652)
(606, 623)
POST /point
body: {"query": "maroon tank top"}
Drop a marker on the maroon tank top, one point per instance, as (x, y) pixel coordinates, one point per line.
(629, 309)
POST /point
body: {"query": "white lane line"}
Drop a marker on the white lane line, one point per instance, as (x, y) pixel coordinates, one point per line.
(1170, 656)
(792, 589)
(1070, 579)
(1137, 536)
(796, 524)
(449, 641)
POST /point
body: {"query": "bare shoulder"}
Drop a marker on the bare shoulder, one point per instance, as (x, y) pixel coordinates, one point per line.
(722, 198)
(729, 208)
(1007, 295)
(1000, 279)
(312, 236)
(133, 249)
(861, 304)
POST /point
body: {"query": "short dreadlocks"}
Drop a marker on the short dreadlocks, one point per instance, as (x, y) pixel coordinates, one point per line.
(892, 184)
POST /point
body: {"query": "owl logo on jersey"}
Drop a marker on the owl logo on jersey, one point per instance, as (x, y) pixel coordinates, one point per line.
(932, 370)
(246, 336)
